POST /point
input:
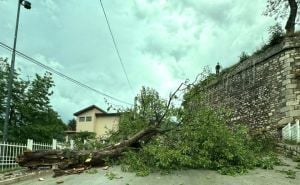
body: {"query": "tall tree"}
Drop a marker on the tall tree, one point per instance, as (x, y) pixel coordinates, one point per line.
(3, 77)
(280, 8)
(72, 124)
(31, 115)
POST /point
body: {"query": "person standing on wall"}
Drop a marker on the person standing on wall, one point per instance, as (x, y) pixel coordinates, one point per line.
(218, 67)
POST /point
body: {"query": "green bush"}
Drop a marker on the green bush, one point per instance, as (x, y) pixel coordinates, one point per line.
(244, 56)
(276, 34)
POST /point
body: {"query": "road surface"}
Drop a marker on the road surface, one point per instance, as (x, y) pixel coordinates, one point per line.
(184, 177)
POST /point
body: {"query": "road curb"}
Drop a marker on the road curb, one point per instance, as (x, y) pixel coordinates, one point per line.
(26, 177)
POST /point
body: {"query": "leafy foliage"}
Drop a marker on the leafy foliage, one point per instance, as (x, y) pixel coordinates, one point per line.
(72, 125)
(112, 176)
(31, 114)
(268, 162)
(84, 135)
(149, 110)
(282, 9)
(85, 140)
(276, 34)
(199, 138)
(244, 56)
(277, 8)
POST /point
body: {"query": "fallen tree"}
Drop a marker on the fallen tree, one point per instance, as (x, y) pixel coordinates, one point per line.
(192, 136)
(74, 161)
(68, 159)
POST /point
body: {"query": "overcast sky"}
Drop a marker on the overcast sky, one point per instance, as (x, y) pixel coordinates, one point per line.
(161, 42)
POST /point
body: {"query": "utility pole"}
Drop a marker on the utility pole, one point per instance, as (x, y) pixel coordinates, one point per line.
(26, 5)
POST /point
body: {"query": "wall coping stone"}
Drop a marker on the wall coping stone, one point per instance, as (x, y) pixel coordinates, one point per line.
(288, 43)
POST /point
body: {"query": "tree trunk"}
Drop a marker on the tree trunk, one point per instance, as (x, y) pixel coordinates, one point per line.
(72, 161)
(290, 24)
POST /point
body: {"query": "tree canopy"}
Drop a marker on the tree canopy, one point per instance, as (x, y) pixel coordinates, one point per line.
(31, 115)
(194, 135)
(72, 124)
(283, 9)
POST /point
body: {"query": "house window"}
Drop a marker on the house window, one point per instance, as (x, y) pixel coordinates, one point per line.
(81, 119)
(89, 118)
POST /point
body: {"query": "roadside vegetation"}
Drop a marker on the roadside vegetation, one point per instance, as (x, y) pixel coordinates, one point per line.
(191, 136)
(32, 116)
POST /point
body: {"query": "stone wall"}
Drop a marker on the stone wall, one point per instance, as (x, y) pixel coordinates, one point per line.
(289, 150)
(264, 90)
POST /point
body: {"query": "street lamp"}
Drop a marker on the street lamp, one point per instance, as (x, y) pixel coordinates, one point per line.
(27, 5)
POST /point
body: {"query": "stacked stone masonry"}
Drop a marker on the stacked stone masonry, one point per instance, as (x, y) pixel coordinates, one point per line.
(289, 150)
(264, 90)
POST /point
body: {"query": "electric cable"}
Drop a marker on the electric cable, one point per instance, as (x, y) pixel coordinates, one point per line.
(115, 45)
(50, 69)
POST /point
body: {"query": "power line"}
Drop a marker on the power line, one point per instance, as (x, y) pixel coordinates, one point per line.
(26, 57)
(115, 44)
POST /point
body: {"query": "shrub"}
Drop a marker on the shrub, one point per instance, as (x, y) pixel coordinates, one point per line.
(244, 56)
(275, 34)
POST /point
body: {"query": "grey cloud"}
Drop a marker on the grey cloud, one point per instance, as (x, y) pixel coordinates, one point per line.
(179, 53)
(139, 14)
(161, 43)
(163, 48)
(153, 46)
(217, 11)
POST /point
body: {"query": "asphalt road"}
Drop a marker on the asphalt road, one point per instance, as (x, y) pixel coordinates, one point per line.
(184, 177)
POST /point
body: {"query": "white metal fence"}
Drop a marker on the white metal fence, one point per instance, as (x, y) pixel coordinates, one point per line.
(291, 132)
(9, 151)
(8, 154)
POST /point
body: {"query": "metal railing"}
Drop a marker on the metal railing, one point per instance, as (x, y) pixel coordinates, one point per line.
(9, 151)
(291, 132)
(8, 154)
